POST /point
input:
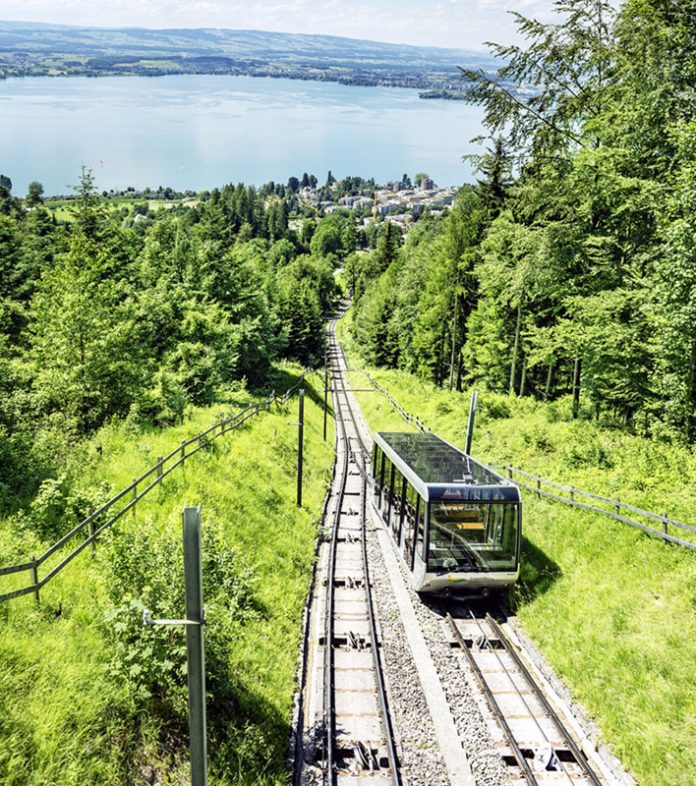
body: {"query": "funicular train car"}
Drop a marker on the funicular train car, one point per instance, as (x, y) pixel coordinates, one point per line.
(457, 524)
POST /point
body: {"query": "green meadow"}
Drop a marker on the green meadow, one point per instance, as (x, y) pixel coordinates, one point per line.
(87, 693)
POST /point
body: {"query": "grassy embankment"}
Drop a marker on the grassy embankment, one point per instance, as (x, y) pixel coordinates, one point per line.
(613, 609)
(87, 694)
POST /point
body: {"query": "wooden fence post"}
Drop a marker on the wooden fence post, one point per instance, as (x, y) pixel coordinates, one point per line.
(90, 531)
(664, 523)
(35, 578)
(159, 466)
(135, 494)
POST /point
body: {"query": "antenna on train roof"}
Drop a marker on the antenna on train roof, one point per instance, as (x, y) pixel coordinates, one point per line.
(470, 426)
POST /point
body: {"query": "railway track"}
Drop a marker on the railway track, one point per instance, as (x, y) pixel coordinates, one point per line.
(536, 745)
(505, 731)
(347, 734)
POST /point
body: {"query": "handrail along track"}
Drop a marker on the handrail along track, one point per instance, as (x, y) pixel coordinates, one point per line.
(177, 456)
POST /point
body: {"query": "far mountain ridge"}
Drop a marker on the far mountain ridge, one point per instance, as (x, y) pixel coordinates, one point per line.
(36, 49)
(9, 27)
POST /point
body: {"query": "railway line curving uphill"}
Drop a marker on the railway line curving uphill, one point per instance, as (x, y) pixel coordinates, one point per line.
(397, 691)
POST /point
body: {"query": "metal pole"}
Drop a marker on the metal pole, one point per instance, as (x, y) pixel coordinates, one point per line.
(470, 426)
(326, 388)
(300, 441)
(195, 645)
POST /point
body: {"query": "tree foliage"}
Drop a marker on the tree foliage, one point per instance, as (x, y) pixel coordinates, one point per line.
(569, 267)
(109, 317)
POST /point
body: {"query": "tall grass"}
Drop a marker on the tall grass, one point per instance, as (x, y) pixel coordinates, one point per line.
(613, 609)
(87, 695)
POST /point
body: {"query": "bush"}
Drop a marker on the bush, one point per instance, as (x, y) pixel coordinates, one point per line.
(586, 450)
(493, 407)
(165, 402)
(146, 572)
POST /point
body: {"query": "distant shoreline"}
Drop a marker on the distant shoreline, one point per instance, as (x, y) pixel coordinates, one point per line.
(57, 51)
(426, 91)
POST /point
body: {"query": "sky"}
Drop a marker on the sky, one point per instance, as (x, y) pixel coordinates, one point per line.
(450, 23)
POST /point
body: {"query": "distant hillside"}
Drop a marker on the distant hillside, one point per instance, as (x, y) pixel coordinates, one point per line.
(28, 49)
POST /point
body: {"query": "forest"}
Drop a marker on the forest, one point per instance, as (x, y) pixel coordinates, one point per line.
(569, 268)
(105, 317)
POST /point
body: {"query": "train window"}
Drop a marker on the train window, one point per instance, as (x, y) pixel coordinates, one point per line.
(377, 468)
(390, 491)
(402, 510)
(473, 536)
(407, 520)
(385, 487)
(420, 540)
(412, 502)
(397, 500)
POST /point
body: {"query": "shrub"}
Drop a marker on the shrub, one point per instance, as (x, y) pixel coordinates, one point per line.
(494, 407)
(586, 450)
(145, 570)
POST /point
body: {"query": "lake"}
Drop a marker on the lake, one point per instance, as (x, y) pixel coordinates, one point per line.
(199, 132)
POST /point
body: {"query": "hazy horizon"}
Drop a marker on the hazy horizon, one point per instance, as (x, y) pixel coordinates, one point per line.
(50, 25)
(449, 24)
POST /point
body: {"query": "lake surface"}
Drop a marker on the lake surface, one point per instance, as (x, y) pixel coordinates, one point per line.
(199, 132)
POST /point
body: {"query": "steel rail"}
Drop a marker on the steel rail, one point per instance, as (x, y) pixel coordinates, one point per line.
(535, 691)
(297, 751)
(329, 671)
(574, 748)
(377, 660)
(493, 703)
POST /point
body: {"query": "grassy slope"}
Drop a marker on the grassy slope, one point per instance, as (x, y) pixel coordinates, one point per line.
(613, 610)
(65, 718)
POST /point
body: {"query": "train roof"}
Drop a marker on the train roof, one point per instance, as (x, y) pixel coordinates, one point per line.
(440, 471)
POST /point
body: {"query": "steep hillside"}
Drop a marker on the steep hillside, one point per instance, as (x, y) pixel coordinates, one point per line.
(91, 696)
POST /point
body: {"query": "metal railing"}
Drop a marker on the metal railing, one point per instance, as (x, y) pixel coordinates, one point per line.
(407, 416)
(613, 509)
(132, 494)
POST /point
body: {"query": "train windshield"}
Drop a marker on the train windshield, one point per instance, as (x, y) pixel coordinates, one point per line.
(473, 536)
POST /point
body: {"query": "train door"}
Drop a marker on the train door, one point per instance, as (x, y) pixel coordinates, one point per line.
(411, 532)
(408, 522)
(387, 490)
